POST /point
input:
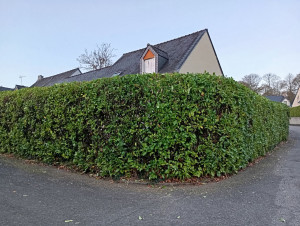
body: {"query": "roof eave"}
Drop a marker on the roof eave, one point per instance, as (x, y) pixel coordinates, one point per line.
(215, 52)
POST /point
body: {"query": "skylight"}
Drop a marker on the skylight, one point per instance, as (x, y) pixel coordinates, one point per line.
(116, 73)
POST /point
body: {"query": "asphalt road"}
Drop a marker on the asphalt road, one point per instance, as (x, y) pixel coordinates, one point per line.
(267, 193)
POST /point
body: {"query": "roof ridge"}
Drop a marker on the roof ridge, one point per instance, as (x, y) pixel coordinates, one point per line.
(99, 69)
(158, 49)
(62, 73)
(48, 79)
(167, 41)
(180, 37)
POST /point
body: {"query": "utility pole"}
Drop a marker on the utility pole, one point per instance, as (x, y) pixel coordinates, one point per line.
(21, 79)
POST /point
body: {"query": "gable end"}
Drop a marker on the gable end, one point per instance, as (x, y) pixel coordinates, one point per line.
(149, 55)
(201, 57)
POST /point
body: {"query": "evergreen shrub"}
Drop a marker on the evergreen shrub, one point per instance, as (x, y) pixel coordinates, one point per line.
(295, 111)
(152, 125)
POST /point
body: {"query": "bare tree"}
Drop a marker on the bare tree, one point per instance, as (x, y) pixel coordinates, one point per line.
(271, 84)
(279, 87)
(296, 82)
(270, 79)
(289, 82)
(290, 87)
(252, 81)
(99, 58)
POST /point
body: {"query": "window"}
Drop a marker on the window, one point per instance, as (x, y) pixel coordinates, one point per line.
(149, 65)
(149, 62)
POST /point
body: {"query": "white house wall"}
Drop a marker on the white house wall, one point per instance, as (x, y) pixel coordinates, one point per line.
(202, 58)
(286, 102)
(297, 99)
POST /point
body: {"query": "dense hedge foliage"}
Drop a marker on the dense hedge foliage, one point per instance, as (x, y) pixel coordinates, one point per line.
(295, 111)
(153, 126)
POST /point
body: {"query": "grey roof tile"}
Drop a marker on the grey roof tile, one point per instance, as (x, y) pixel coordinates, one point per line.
(88, 76)
(276, 98)
(20, 87)
(51, 80)
(160, 52)
(4, 88)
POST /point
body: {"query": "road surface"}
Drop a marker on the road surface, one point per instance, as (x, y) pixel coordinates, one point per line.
(267, 193)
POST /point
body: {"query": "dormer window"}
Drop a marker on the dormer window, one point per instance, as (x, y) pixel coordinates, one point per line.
(149, 62)
(152, 60)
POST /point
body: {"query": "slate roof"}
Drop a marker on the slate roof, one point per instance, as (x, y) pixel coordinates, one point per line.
(51, 80)
(89, 76)
(160, 52)
(276, 98)
(176, 50)
(4, 88)
(20, 87)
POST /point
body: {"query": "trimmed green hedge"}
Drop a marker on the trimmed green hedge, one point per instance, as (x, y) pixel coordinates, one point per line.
(295, 111)
(153, 126)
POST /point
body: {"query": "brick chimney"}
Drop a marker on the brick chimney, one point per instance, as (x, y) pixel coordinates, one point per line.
(40, 77)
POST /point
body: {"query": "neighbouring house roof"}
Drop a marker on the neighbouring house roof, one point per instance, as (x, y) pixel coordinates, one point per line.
(4, 88)
(17, 87)
(51, 80)
(276, 98)
(89, 76)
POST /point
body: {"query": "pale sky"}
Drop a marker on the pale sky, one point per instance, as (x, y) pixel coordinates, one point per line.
(45, 37)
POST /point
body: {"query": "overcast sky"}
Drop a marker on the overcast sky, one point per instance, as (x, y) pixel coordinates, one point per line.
(45, 37)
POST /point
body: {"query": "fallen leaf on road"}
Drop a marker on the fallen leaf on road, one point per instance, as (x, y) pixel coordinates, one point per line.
(68, 221)
(25, 195)
(178, 217)
(282, 220)
(140, 218)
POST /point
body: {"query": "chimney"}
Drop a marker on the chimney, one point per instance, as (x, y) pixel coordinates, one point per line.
(40, 77)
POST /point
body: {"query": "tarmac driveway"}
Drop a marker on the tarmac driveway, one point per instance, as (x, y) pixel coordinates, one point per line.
(267, 193)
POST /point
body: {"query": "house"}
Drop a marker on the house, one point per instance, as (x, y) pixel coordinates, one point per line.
(4, 89)
(193, 53)
(50, 81)
(280, 99)
(17, 87)
(296, 101)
